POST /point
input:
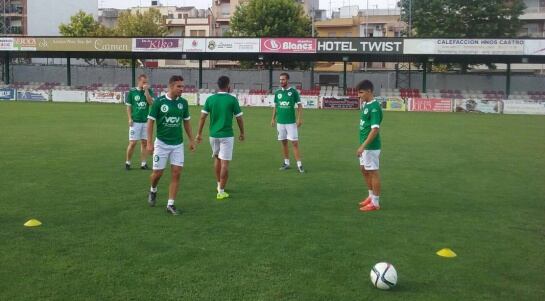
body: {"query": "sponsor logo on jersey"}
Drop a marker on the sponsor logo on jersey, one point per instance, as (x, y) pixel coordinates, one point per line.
(172, 120)
(141, 104)
(284, 103)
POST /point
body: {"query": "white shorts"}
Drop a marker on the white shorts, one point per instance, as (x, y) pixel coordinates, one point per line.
(287, 131)
(163, 152)
(222, 147)
(138, 131)
(370, 159)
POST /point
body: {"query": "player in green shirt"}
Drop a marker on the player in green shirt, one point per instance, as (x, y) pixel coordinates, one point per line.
(283, 116)
(138, 100)
(369, 150)
(221, 107)
(169, 112)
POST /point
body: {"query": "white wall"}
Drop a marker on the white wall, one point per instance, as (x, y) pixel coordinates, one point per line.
(45, 16)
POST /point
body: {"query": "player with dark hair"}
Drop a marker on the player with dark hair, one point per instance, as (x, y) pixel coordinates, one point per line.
(138, 101)
(169, 112)
(369, 150)
(287, 122)
(221, 107)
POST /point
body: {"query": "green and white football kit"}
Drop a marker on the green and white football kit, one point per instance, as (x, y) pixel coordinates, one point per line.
(136, 99)
(370, 118)
(285, 101)
(169, 115)
(221, 107)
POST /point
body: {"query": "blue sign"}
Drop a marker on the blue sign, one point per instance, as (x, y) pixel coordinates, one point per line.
(7, 93)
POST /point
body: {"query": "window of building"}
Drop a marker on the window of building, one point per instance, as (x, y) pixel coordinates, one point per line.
(197, 33)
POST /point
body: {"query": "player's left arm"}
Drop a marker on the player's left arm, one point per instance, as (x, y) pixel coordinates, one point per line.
(187, 128)
(238, 115)
(299, 109)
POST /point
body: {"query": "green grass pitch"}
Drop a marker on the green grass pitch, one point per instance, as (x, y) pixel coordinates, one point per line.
(474, 183)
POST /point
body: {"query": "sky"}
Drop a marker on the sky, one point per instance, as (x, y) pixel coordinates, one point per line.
(324, 4)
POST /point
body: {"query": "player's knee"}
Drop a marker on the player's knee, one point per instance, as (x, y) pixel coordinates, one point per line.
(144, 143)
(295, 143)
(132, 143)
(176, 172)
(285, 142)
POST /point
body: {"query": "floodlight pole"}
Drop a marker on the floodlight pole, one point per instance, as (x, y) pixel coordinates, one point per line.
(133, 71)
(424, 76)
(200, 73)
(344, 76)
(270, 75)
(508, 81)
(68, 71)
(6, 67)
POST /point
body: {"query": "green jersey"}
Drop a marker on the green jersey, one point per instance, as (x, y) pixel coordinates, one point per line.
(370, 117)
(285, 101)
(168, 114)
(221, 107)
(136, 99)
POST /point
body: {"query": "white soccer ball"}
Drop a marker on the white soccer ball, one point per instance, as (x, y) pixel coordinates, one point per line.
(383, 276)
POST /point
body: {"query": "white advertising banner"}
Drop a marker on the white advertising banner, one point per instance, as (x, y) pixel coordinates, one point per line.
(68, 95)
(105, 96)
(524, 107)
(309, 102)
(192, 98)
(203, 97)
(534, 47)
(232, 45)
(478, 106)
(194, 45)
(32, 95)
(464, 46)
(255, 100)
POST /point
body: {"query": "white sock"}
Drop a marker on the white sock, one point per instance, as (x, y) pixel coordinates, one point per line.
(299, 163)
(170, 202)
(153, 189)
(143, 163)
(375, 201)
(287, 161)
(128, 162)
(221, 190)
(218, 187)
(370, 193)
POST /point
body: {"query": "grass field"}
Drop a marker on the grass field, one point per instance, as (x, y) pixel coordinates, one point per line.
(474, 183)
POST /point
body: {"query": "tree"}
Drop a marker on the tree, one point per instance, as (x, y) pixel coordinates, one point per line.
(271, 18)
(463, 18)
(84, 25)
(148, 23)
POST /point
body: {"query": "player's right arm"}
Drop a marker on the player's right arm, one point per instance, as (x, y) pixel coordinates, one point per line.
(204, 113)
(273, 119)
(129, 108)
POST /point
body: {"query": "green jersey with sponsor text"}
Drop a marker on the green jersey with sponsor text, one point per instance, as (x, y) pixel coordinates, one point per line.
(285, 101)
(370, 117)
(136, 99)
(222, 107)
(169, 115)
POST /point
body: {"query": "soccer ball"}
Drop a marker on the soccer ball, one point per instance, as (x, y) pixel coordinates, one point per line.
(383, 276)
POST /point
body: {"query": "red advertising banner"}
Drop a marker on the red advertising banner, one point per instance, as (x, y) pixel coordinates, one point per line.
(288, 45)
(430, 105)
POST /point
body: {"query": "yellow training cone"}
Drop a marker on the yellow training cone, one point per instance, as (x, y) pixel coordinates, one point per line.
(33, 223)
(446, 252)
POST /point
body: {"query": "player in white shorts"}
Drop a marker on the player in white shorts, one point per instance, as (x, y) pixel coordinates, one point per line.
(221, 107)
(169, 112)
(370, 145)
(287, 123)
(138, 101)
